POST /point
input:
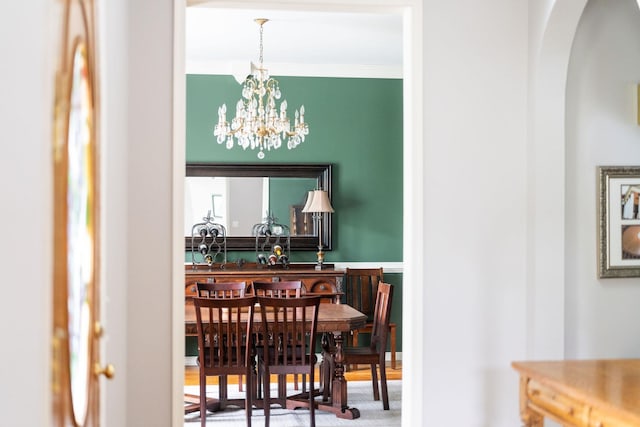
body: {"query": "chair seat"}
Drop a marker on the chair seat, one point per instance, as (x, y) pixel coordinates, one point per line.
(368, 328)
(299, 357)
(363, 355)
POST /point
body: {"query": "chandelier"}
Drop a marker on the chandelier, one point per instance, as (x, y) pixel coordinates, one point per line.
(258, 123)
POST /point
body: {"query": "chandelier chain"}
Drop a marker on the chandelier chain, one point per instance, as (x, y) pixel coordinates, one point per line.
(261, 58)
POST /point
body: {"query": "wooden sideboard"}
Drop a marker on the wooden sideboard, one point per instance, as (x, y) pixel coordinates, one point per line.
(580, 393)
(325, 281)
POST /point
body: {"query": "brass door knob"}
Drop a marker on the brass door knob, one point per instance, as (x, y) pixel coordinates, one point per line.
(108, 371)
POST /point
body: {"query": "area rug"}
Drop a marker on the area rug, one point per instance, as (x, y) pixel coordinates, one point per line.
(360, 395)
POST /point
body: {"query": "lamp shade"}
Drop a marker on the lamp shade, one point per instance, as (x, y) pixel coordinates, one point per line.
(317, 201)
(307, 204)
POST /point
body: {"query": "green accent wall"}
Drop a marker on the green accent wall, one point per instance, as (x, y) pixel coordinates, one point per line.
(354, 124)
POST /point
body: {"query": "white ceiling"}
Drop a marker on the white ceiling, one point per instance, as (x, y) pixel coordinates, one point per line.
(225, 41)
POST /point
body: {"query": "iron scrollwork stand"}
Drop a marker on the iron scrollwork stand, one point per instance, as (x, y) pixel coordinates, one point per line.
(273, 242)
(208, 242)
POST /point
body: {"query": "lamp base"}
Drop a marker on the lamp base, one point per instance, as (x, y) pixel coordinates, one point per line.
(320, 255)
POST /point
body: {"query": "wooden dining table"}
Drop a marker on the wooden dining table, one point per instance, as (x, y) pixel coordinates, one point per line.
(333, 319)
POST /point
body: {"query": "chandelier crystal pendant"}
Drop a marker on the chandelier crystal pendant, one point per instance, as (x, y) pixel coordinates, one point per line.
(259, 123)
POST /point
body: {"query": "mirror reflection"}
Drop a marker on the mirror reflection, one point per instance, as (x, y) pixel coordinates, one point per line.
(238, 203)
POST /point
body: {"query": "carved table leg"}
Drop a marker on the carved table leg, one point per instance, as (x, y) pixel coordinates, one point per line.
(327, 365)
(334, 395)
(339, 385)
(529, 417)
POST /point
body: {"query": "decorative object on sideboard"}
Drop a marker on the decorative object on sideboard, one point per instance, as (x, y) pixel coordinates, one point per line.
(317, 204)
(258, 124)
(273, 242)
(208, 242)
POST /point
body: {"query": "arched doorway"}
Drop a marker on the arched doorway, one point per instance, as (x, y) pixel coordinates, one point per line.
(546, 168)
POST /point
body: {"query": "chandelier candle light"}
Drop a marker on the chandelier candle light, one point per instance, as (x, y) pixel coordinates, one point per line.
(257, 123)
(317, 204)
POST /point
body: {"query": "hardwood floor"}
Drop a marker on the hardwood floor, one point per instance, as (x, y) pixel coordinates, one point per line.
(361, 374)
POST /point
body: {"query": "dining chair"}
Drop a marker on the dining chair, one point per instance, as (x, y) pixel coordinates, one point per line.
(282, 289)
(361, 290)
(222, 290)
(290, 326)
(225, 347)
(372, 355)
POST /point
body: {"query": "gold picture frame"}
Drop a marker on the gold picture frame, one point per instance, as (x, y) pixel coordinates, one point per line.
(619, 215)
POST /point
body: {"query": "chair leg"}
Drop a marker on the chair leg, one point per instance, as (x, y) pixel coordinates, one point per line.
(282, 390)
(267, 397)
(248, 403)
(354, 340)
(392, 332)
(312, 406)
(374, 382)
(383, 386)
(240, 383)
(224, 393)
(203, 401)
(260, 370)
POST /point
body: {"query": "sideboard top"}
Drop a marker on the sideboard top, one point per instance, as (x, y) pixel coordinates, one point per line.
(255, 269)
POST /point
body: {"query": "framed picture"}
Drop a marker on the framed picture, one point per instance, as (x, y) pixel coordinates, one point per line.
(619, 221)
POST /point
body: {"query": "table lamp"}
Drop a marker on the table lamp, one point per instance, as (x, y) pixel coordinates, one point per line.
(317, 204)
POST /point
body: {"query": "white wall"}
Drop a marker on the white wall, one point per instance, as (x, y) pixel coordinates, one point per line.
(475, 77)
(603, 320)
(26, 83)
(152, 280)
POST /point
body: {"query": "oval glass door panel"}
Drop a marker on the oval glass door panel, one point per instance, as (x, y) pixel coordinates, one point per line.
(80, 233)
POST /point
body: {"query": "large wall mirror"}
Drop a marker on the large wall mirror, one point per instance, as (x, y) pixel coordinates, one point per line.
(239, 196)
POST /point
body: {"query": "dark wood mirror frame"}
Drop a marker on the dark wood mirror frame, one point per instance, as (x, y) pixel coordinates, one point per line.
(321, 172)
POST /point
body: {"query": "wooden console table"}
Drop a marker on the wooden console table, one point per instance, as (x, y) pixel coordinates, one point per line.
(580, 393)
(325, 281)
